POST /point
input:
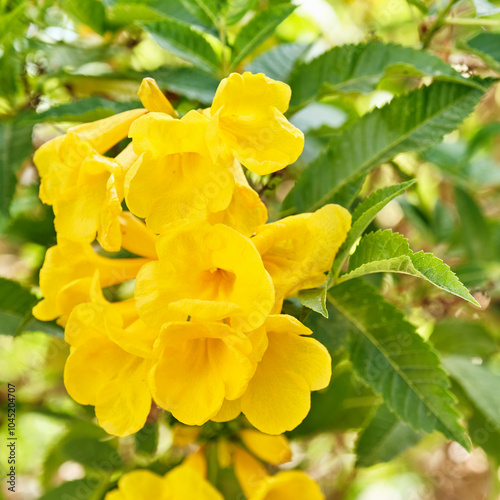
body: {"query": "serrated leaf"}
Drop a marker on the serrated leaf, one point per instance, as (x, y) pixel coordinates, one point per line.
(412, 122)
(88, 12)
(365, 212)
(278, 62)
(15, 147)
(359, 68)
(390, 356)
(487, 46)
(385, 251)
(185, 42)
(208, 11)
(384, 438)
(464, 338)
(237, 10)
(257, 30)
(480, 384)
(315, 299)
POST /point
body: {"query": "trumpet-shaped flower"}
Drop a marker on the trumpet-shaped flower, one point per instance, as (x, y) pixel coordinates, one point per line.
(278, 396)
(175, 177)
(247, 119)
(199, 364)
(181, 483)
(298, 250)
(113, 362)
(207, 272)
(68, 273)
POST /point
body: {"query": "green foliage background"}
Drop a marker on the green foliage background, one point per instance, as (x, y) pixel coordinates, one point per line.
(400, 107)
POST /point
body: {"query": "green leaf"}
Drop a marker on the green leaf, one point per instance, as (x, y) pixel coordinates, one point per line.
(359, 68)
(464, 338)
(480, 384)
(314, 299)
(411, 122)
(365, 212)
(278, 62)
(391, 357)
(15, 303)
(485, 8)
(487, 46)
(82, 489)
(385, 251)
(185, 42)
(384, 438)
(209, 11)
(15, 147)
(88, 12)
(237, 10)
(257, 30)
(146, 440)
(345, 405)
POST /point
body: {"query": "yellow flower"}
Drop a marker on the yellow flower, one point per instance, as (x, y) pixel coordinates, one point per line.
(206, 272)
(247, 119)
(181, 483)
(68, 274)
(278, 396)
(199, 365)
(274, 450)
(298, 250)
(257, 484)
(108, 366)
(153, 98)
(175, 177)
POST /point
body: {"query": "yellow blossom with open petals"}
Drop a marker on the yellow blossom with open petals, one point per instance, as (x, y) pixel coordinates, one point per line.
(278, 396)
(181, 483)
(199, 364)
(114, 362)
(298, 250)
(247, 119)
(257, 484)
(206, 272)
(68, 273)
(175, 176)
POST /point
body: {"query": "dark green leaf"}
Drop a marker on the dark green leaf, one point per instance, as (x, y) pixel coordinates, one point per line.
(391, 357)
(385, 251)
(487, 46)
(15, 147)
(384, 438)
(257, 30)
(146, 440)
(88, 12)
(185, 42)
(81, 489)
(480, 384)
(465, 338)
(359, 68)
(408, 123)
(237, 10)
(208, 11)
(365, 212)
(278, 62)
(15, 305)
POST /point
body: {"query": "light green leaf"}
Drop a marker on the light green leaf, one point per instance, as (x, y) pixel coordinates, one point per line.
(385, 251)
(185, 42)
(277, 63)
(391, 357)
(359, 68)
(365, 212)
(314, 299)
(208, 11)
(384, 438)
(487, 46)
(465, 338)
(257, 30)
(88, 12)
(411, 122)
(237, 10)
(15, 147)
(480, 384)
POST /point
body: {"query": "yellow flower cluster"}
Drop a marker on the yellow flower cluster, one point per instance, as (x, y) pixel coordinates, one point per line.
(202, 335)
(245, 454)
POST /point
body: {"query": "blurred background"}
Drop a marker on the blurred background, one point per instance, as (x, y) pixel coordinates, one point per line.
(66, 62)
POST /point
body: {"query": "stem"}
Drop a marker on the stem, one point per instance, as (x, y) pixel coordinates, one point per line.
(471, 22)
(438, 24)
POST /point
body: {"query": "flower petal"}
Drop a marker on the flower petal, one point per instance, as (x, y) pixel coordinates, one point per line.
(271, 449)
(153, 99)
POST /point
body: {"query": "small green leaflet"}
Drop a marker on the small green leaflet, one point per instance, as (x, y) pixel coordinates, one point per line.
(391, 357)
(385, 251)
